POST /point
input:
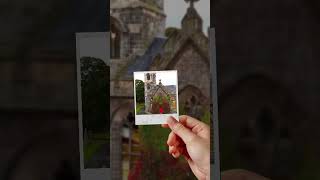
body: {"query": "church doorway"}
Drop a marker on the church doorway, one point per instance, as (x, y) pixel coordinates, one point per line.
(124, 145)
(192, 102)
(259, 118)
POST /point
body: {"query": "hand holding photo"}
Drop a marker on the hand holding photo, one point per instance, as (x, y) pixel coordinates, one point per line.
(156, 96)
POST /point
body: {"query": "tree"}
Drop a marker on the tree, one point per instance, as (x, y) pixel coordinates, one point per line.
(139, 91)
(95, 93)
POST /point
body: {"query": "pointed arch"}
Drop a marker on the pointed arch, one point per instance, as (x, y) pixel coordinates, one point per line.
(256, 115)
(118, 118)
(117, 29)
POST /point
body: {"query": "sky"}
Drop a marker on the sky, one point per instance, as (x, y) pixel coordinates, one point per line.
(167, 77)
(176, 9)
(94, 45)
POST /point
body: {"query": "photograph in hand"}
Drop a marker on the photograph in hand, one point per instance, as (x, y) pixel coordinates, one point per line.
(156, 96)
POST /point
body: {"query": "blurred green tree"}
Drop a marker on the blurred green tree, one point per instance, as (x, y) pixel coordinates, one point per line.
(139, 91)
(95, 93)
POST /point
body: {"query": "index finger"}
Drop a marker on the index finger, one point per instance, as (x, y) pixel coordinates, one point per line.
(190, 122)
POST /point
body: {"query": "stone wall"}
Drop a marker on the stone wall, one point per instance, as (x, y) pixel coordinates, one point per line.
(142, 24)
(194, 90)
(121, 88)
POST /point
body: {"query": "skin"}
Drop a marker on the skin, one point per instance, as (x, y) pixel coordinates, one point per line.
(190, 138)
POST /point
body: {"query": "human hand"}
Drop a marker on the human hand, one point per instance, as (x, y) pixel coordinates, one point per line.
(190, 138)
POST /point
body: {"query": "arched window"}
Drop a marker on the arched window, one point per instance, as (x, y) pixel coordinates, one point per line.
(115, 42)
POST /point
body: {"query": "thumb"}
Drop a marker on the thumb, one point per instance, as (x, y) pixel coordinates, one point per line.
(184, 133)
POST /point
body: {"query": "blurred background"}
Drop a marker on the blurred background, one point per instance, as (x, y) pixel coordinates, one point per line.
(38, 95)
(268, 82)
(151, 35)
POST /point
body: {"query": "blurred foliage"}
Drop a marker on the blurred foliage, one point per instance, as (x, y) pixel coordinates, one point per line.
(95, 93)
(90, 148)
(161, 99)
(140, 108)
(154, 137)
(160, 165)
(206, 117)
(160, 102)
(182, 110)
(139, 91)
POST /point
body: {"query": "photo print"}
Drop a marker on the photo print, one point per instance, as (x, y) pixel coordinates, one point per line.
(156, 96)
(93, 96)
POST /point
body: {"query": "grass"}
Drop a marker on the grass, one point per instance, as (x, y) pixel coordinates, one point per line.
(95, 141)
(154, 137)
(140, 108)
(90, 149)
(206, 117)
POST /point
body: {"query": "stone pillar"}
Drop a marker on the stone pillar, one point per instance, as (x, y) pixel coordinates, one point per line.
(116, 150)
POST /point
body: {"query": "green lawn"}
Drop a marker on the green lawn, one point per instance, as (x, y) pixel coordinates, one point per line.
(140, 108)
(90, 149)
(95, 141)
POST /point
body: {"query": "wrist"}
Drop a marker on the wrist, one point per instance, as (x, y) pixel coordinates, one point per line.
(208, 178)
(208, 175)
(207, 169)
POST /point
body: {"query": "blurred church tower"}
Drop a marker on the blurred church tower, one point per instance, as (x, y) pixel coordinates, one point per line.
(134, 24)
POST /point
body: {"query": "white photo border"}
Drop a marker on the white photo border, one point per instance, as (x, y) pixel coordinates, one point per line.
(154, 119)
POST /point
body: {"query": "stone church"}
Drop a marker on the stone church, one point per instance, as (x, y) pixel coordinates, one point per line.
(141, 42)
(152, 90)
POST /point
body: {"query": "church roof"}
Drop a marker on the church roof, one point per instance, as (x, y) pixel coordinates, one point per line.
(163, 51)
(175, 44)
(171, 89)
(190, 34)
(143, 63)
(168, 90)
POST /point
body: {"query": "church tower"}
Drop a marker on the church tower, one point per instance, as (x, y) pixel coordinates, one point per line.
(137, 23)
(192, 21)
(160, 3)
(149, 84)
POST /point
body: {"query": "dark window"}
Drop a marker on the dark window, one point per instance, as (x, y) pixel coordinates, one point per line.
(115, 42)
(193, 100)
